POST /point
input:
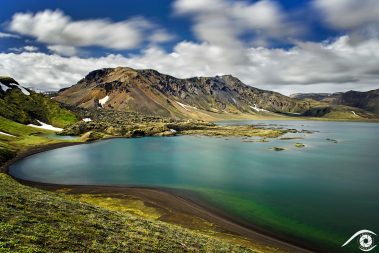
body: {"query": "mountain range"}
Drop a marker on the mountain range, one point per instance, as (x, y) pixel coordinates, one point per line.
(368, 100)
(149, 92)
(153, 93)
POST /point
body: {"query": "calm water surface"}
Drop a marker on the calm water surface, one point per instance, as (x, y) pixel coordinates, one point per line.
(321, 194)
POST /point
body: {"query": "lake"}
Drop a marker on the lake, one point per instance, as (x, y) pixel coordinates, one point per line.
(321, 194)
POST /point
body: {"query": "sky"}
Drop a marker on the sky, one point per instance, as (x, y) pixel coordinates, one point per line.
(287, 46)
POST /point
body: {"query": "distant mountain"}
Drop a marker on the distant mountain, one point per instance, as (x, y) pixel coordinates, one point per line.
(25, 106)
(368, 100)
(150, 92)
(314, 96)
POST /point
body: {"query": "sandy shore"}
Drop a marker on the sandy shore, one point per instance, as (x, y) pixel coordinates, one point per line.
(176, 202)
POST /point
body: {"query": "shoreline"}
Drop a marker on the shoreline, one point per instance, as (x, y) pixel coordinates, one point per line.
(176, 200)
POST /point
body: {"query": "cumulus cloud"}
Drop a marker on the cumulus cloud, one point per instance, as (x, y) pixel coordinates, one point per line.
(63, 50)
(223, 22)
(30, 48)
(160, 36)
(347, 62)
(63, 34)
(328, 66)
(349, 14)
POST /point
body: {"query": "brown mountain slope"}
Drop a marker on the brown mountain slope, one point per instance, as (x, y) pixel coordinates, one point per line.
(150, 92)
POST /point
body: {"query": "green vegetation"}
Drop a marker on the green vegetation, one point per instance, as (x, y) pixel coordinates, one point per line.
(33, 220)
(127, 124)
(299, 145)
(16, 106)
(24, 138)
(337, 112)
(6, 152)
(239, 131)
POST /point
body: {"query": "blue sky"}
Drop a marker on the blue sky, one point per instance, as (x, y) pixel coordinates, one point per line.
(287, 46)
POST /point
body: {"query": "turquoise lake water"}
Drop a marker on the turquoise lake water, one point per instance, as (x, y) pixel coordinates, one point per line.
(321, 194)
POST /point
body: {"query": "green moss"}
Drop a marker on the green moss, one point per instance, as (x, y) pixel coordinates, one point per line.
(121, 204)
(6, 154)
(16, 106)
(299, 145)
(32, 220)
(24, 137)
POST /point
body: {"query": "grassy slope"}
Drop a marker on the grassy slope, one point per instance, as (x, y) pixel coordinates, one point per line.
(24, 109)
(32, 220)
(24, 138)
(322, 110)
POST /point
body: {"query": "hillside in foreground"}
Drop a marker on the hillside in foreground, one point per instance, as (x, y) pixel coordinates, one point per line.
(26, 106)
(33, 220)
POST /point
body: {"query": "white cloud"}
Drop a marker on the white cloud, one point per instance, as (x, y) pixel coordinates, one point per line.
(223, 22)
(349, 14)
(63, 50)
(330, 66)
(30, 48)
(22, 49)
(161, 36)
(63, 34)
(8, 35)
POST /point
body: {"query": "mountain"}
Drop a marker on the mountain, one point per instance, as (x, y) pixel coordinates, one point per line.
(150, 92)
(25, 106)
(368, 100)
(314, 96)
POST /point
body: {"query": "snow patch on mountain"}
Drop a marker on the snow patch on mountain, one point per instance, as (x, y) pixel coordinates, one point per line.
(7, 134)
(256, 108)
(46, 126)
(186, 107)
(4, 87)
(23, 90)
(103, 100)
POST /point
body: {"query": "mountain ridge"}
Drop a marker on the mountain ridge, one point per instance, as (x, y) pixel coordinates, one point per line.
(366, 100)
(148, 91)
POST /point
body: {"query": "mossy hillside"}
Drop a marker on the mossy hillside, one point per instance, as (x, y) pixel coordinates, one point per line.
(25, 109)
(24, 138)
(106, 123)
(147, 209)
(6, 152)
(335, 112)
(33, 220)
